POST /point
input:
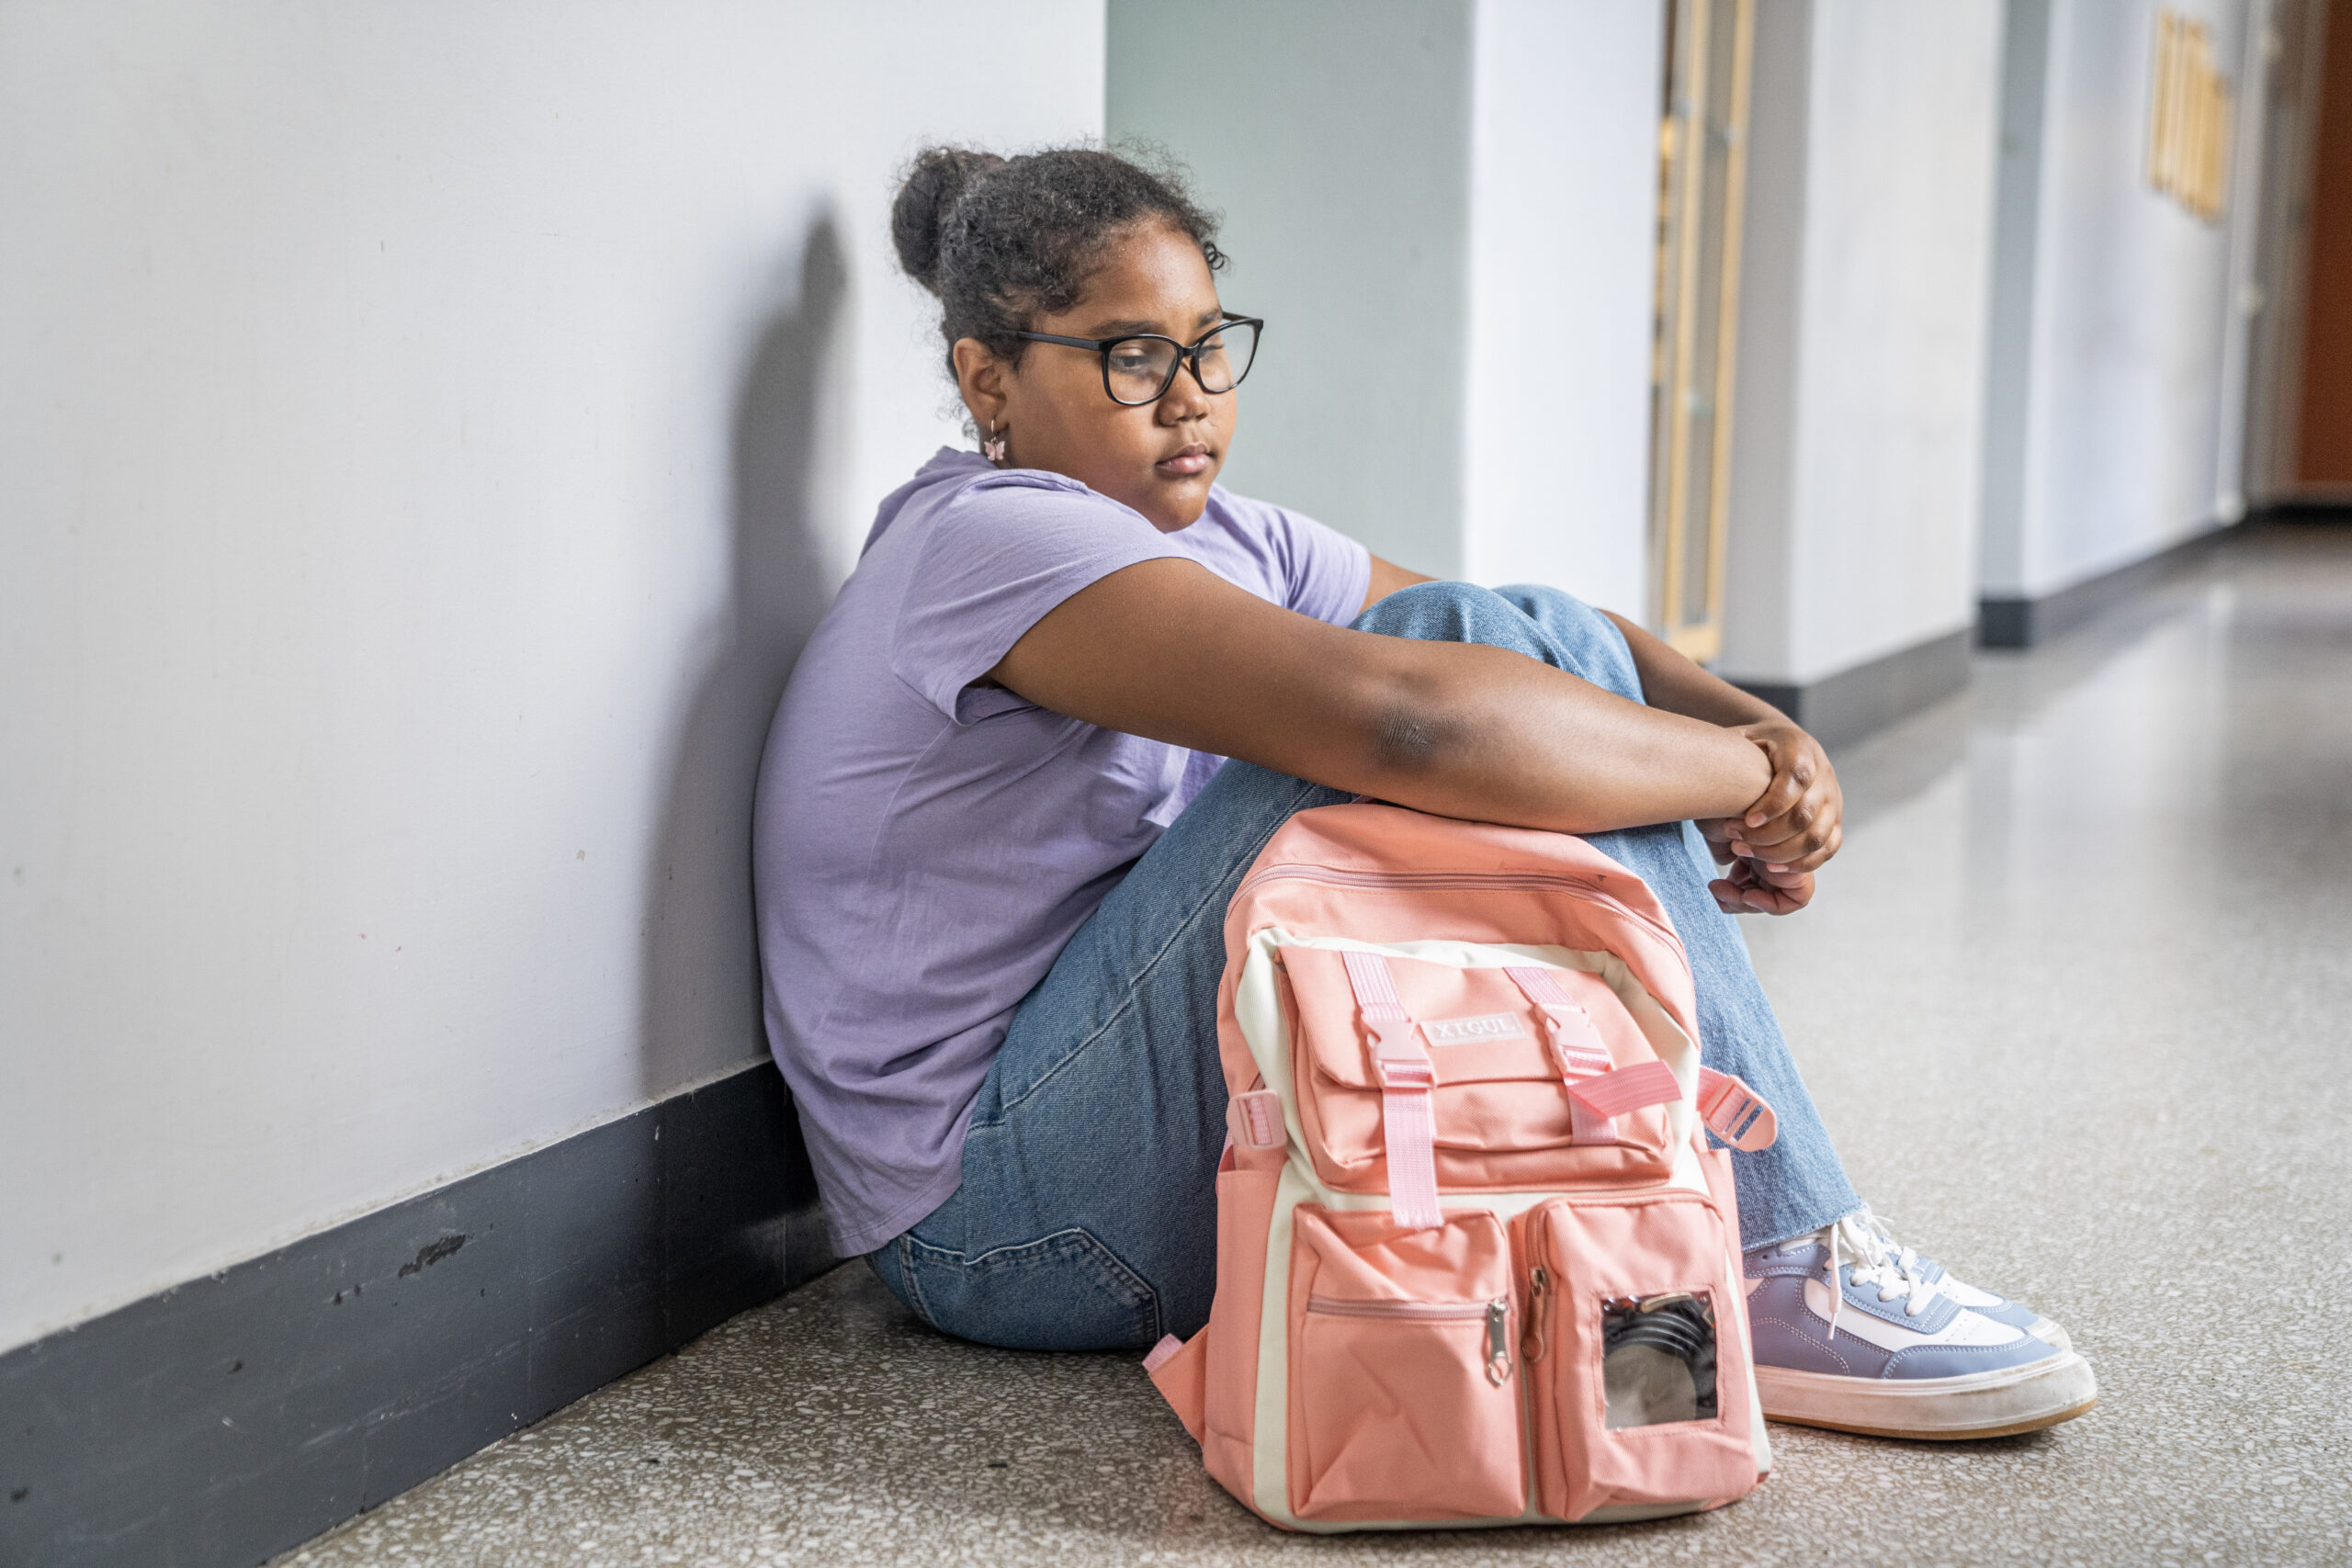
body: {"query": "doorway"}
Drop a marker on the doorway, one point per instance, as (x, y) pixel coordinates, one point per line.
(1702, 167)
(2299, 397)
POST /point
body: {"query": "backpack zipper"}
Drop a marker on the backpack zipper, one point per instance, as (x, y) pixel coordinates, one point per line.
(1293, 872)
(1539, 1284)
(1495, 1313)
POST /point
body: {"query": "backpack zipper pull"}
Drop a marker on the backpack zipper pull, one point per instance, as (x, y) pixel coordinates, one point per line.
(1499, 1340)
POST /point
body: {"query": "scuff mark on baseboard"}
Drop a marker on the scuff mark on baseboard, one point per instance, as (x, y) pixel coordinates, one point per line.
(432, 1253)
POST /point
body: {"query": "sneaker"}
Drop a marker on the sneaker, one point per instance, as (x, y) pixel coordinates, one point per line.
(2000, 1309)
(1886, 1351)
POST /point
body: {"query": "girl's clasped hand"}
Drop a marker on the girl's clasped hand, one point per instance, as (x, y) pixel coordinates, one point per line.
(1796, 824)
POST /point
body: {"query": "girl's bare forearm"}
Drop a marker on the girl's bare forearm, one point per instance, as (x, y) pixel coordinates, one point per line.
(1493, 736)
(1166, 649)
(1676, 684)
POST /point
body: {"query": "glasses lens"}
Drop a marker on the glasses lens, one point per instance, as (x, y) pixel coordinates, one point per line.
(1138, 368)
(1224, 358)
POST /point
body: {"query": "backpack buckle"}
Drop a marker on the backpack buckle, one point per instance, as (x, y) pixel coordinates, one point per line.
(1398, 1060)
(1575, 1041)
(1734, 1113)
(1255, 1118)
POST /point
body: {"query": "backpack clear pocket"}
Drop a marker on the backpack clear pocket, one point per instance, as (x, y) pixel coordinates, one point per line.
(1403, 1371)
(1657, 1359)
(1635, 1357)
(1500, 1102)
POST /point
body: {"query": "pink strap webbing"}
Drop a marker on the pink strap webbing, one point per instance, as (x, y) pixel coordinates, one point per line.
(1627, 1089)
(1576, 1046)
(1406, 1078)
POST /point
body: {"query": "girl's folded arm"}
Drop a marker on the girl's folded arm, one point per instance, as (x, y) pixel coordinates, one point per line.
(1167, 650)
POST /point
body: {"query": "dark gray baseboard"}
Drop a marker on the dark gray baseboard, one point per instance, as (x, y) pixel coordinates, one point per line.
(227, 1419)
(1854, 703)
(2007, 620)
(2333, 510)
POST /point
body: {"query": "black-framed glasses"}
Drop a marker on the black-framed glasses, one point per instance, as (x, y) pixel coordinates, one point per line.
(1139, 369)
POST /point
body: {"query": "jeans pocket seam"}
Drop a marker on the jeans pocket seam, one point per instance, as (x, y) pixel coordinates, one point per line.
(906, 1245)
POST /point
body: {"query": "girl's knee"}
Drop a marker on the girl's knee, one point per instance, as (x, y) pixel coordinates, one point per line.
(1555, 609)
(1589, 642)
(1543, 622)
(1416, 598)
(1435, 612)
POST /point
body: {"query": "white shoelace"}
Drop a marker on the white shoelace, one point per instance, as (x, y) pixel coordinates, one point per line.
(1860, 1252)
(1876, 1225)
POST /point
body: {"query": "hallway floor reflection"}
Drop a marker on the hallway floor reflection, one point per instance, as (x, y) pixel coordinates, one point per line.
(2076, 999)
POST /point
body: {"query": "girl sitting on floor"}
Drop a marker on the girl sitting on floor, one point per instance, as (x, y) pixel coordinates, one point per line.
(997, 827)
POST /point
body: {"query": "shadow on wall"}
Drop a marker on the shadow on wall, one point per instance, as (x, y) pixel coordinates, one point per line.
(701, 990)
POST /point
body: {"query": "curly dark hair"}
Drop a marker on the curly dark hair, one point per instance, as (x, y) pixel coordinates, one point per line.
(1002, 241)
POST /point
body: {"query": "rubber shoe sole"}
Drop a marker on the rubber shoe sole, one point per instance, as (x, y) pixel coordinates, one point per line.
(1981, 1405)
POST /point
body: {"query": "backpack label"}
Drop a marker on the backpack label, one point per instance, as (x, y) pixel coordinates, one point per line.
(1474, 1031)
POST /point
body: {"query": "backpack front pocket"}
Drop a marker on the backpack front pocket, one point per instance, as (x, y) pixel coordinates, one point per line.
(1499, 1105)
(1404, 1396)
(1637, 1357)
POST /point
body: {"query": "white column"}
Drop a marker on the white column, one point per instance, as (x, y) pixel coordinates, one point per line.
(1858, 427)
(1445, 211)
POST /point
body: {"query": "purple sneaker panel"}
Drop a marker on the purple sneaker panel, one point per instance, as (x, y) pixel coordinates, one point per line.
(1784, 1333)
(1962, 1360)
(1810, 1261)
(1813, 1263)
(1771, 1262)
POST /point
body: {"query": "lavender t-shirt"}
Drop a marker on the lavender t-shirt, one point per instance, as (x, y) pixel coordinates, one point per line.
(924, 847)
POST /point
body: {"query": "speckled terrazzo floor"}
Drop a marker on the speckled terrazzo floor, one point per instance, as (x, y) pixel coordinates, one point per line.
(2078, 999)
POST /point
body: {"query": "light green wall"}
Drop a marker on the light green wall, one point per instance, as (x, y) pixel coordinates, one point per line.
(1335, 135)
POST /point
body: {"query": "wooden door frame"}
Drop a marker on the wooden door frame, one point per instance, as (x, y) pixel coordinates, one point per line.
(1683, 193)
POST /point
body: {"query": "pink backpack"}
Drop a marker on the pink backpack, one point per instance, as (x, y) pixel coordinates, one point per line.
(1476, 1261)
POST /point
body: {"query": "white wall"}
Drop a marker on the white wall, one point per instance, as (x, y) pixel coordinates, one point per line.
(2123, 413)
(1858, 426)
(1445, 210)
(1563, 247)
(427, 431)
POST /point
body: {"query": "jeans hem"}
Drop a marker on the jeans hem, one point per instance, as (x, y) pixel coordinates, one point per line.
(1748, 1246)
(1042, 1256)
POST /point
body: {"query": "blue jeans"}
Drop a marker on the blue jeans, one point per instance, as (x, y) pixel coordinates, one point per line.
(1087, 1217)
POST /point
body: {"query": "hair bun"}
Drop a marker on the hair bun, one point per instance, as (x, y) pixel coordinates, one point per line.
(937, 176)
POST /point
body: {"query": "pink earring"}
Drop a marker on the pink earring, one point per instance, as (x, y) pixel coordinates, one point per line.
(993, 448)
